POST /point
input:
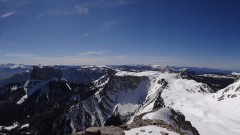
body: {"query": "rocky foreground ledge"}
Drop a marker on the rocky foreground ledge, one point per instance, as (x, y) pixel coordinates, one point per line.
(113, 130)
(182, 126)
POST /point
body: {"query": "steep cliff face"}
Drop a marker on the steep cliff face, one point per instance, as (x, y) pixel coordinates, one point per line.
(45, 73)
(120, 98)
(115, 95)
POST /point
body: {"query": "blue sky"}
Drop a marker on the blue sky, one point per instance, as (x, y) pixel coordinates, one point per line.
(202, 33)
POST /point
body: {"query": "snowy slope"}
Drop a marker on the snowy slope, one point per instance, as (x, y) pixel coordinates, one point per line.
(232, 91)
(195, 101)
(162, 114)
(152, 92)
(235, 73)
(209, 115)
(30, 87)
(172, 88)
(149, 130)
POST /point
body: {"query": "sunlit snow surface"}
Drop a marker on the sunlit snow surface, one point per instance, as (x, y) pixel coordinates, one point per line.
(10, 127)
(194, 100)
(162, 114)
(24, 126)
(31, 88)
(235, 73)
(149, 130)
(211, 116)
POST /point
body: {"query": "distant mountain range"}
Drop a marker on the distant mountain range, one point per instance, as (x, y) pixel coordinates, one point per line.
(118, 100)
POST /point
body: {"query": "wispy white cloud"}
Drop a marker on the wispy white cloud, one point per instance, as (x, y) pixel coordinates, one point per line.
(19, 55)
(121, 57)
(90, 58)
(108, 3)
(8, 14)
(81, 9)
(89, 53)
(12, 7)
(154, 57)
(108, 60)
(78, 10)
(113, 23)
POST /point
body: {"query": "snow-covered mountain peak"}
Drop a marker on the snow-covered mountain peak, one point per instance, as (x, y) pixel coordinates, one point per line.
(236, 74)
(13, 66)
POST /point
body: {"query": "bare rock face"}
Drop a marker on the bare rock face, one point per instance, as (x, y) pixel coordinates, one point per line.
(93, 131)
(45, 73)
(109, 130)
(179, 124)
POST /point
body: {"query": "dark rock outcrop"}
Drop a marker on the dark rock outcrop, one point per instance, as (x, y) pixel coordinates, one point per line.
(179, 123)
(45, 73)
(180, 120)
(109, 130)
(180, 126)
(93, 131)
